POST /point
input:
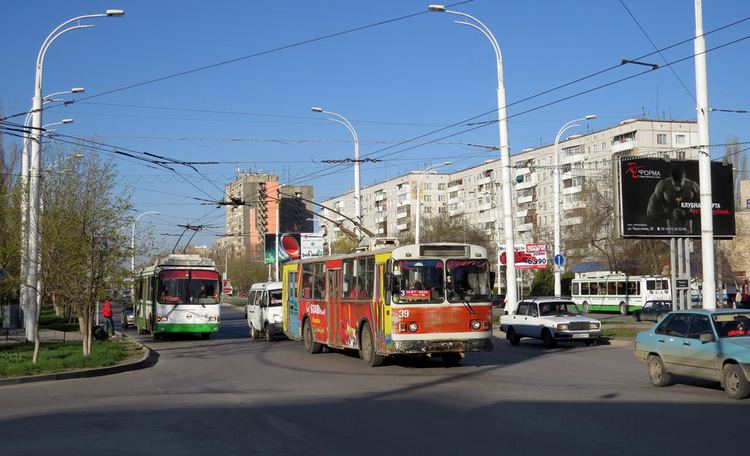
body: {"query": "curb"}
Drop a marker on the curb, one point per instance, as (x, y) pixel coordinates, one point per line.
(149, 359)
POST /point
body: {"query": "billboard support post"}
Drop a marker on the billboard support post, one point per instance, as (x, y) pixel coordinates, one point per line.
(673, 271)
(680, 305)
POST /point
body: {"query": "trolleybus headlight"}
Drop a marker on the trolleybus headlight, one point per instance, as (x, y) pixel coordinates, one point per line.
(413, 326)
(277, 318)
(160, 318)
(211, 318)
(476, 324)
(563, 327)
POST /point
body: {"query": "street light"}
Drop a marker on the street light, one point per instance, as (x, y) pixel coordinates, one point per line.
(343, 121)
(556, 201)
(502, 122)
(419, 202)
(36, 150)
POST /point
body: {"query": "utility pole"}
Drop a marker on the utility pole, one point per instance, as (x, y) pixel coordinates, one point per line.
(704, 163)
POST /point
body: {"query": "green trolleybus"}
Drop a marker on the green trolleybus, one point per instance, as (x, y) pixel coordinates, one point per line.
(178, 294)
(617, 292)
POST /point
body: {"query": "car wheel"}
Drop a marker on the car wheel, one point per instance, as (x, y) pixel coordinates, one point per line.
(547, 339)
(513, 337)
(735, 383)
(269, 334)
(451, 359)
(657, 372)
(311, 346)
(367, 347)
(637, 316)
(591, 342)
(254, 334)
(623, 308)
(585, 307)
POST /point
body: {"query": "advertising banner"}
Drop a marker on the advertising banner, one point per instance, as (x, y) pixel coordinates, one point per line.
(528, 256)
(289, 248)
(312, 245)
(661, 198)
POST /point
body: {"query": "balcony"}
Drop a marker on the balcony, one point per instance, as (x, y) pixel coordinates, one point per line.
(625, 145)
(572, 221)
(524, 199)
(529, 183)
(525, 227)
(381, 231)
(403, 203)
(380, 218)
(380, 197)
(577, 204)
(402, 226)
(572, 190)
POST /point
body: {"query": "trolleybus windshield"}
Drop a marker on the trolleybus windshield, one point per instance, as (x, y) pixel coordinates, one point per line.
(468, 280)
(184, 286)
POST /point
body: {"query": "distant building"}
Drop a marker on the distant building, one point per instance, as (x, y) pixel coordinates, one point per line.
(247, 223)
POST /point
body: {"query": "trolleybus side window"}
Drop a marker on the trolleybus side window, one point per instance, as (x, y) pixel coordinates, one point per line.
(576, 288)
(292, 284)
(632, 289)
(319, 284)
(612, 288)
(364, 275)
(347, 287)
(307, 280)
(594, 288)
(620, 288)
(602, 288)
(584, 288)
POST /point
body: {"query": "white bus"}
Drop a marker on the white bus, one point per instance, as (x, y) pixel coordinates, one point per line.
(614, 291)
(178, 294)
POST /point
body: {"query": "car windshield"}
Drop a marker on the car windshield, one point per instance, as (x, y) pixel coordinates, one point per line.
(558, 308)
(418, 281)
(275, 298)
(732, 324)
(468, 280)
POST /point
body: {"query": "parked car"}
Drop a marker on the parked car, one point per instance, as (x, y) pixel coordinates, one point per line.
(653, 310)
(550, 319)
(709, 344)
(127, 317)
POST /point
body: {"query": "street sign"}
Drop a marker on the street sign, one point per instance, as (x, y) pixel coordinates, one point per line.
(559, 260)
(226, 287)
(682, 283)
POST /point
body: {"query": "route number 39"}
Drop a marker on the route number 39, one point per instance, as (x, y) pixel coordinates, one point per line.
(403, 313)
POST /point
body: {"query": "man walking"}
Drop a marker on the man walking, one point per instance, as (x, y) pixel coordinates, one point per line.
(107, 314)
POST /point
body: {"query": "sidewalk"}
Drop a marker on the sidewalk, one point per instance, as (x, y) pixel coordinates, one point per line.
(18, 335)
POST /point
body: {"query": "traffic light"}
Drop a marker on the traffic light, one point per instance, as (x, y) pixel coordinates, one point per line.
(262, 209)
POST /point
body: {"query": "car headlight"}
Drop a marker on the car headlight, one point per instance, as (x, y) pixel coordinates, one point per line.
(563, 327)
(595, 325)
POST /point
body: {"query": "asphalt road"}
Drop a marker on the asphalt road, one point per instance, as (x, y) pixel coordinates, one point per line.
(232, 395)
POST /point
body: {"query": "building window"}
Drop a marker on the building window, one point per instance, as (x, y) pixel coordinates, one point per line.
(441, 198)
(680, 139)
(661, 138)
(441, 186)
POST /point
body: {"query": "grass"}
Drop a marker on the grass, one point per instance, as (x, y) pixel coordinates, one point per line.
(60, 357)
(49, 320)
(620, 332)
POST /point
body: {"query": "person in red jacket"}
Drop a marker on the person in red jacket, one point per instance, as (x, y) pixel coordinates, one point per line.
(107, 314)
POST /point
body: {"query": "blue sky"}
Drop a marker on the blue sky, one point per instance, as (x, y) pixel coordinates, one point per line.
(395, 81)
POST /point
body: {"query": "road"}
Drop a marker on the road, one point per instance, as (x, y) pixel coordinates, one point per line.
(232, 395)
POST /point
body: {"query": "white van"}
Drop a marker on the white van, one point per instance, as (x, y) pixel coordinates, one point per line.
(264, 310)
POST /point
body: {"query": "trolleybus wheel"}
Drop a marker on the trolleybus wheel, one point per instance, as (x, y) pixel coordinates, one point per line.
(451, 359)
(623, 308)
(585, 307)
(367, 348)
(311, 346)
(205, 336)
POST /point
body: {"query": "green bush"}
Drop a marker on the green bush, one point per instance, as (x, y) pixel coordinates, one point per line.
(60, 357)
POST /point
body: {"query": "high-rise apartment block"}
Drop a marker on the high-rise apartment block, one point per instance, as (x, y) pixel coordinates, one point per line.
(389, 207)
(261, 196)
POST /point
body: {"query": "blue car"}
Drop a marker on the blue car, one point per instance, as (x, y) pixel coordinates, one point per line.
(709, 344)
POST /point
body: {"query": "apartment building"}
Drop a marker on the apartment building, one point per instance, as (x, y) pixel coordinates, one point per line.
(246, 223)
(389, 208)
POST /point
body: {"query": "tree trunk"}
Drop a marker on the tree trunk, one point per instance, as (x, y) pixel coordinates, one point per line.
(35, 357)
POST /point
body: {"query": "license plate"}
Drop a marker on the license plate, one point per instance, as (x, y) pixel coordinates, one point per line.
(580, 336)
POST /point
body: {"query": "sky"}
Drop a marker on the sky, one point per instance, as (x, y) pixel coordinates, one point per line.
(233, 82)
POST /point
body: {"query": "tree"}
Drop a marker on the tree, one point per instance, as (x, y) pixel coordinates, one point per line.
(444, 228)
(85, 240)
(10, 222)
(543, 283)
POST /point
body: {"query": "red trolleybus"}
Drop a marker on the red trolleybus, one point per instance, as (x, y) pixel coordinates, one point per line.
(429, 299)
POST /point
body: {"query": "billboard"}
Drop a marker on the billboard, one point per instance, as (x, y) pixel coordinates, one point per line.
(289, 248)
(528, 256)
(661, 198)
(312, 245)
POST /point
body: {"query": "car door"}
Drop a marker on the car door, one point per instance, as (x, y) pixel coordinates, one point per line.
(701, 359)
(670, 344)
(535, 322)
(520, 318)
(250, 307)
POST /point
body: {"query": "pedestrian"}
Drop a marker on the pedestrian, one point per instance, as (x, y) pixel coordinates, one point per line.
(107, 314)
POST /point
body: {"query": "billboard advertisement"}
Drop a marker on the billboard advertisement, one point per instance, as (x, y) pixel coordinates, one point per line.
(661, 198)
(289, 248)
(528, 256)
(312, 245)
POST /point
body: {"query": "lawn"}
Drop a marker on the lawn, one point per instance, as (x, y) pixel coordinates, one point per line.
(59, 357)
(49, 320)
(620, 332)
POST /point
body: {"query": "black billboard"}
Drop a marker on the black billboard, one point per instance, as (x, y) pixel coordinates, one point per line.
(661, 198)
